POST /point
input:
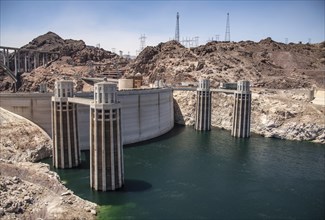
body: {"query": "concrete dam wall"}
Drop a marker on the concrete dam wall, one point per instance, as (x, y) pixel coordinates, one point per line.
(145, 113)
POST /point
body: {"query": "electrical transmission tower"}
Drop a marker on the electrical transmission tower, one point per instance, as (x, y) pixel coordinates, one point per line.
(286, 40)
(227, 35)
(177, 28)
(142, 42)
(190, 42)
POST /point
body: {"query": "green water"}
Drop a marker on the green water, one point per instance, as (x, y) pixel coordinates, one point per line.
(210, 175)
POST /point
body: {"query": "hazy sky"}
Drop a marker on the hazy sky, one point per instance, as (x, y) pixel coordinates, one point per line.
(119, 24)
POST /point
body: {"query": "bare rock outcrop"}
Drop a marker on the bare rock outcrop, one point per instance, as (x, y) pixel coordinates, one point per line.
(280, 114)
(22, 140)
(30, 190)
(267, 63)
(283, 116)
(76, 60)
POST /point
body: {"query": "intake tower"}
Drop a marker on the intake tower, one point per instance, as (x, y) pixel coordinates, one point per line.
(66, 152)
(203, 106)
(242, 110)
(106, 148)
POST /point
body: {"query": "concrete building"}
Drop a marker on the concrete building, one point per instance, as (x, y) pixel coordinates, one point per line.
(66, 152)
(242, 110)
(203, 106)
(125, 84)
(137, 80)
(106, 146)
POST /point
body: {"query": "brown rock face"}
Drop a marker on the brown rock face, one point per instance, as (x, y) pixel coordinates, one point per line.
(48, 42)
(266, 64)
(76, 49)
(76, 60)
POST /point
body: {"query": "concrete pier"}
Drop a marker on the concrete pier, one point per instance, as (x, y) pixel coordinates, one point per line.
(203, 106)
(242, 110)
(66, 152)
(106, 148)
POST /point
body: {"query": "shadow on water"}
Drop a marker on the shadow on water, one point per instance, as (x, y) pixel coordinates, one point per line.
(132, 185)
(115, 198)
(178, 129)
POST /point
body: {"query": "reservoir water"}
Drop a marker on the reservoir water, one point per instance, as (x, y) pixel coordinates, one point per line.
(187, 174)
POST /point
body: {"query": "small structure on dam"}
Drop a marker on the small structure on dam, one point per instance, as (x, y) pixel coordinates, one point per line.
(106, 148)
(66, 152)
(203, 106)
(242, 110)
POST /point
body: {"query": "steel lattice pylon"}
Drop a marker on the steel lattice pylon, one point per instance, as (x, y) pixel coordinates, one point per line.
(227, 35)
(177, 28)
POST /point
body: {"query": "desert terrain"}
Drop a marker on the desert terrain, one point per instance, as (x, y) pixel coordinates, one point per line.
(288, 83)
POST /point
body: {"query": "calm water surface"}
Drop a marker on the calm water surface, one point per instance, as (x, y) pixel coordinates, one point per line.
(210, 175)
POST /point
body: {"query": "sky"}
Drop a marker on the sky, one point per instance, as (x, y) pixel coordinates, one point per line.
(120, 24)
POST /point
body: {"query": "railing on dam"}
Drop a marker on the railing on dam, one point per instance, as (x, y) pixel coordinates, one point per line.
(81, 101)
(228, 91)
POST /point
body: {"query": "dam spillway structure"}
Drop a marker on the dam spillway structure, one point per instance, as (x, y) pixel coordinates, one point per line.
(203, 106)
(106, 147)
(66, 153)
(241, 120)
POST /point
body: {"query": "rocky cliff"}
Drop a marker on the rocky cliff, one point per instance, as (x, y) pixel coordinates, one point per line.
(76, 60)
(30, 190)
(267, 63)
(22, 140)
(278, 113)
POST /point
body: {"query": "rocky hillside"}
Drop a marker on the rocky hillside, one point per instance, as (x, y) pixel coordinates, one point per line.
(77, 50)
(30, 190)
(267, 64)
(76, 60)
(33, 145)
(279, 113)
